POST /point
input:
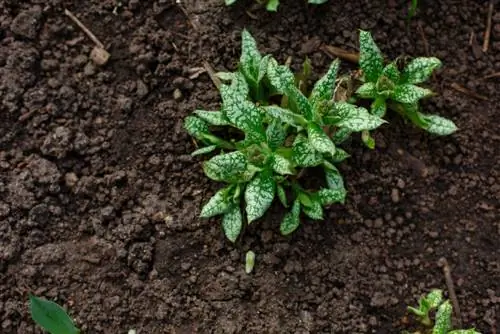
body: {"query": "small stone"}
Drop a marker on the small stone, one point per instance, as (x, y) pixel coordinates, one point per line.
(177, 94)
(395, 195)
(142, 89)
(89, 69)
(26, 24)
(70, 179)
(99, 55)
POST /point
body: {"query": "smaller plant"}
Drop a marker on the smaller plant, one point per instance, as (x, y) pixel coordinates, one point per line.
(442, 323)
(51, 317)
(389, 87)
(272, 5)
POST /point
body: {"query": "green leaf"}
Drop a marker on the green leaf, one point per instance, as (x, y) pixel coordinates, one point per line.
(291, 220)
(272, 5)
(340, 155)
(334, 179)
(250, 56)
(232, 222)
(304, 154)
(438, 125)
(195, 127)
(371, 60)
(367, 90)
(263, 67)
(341, 135)
(282, 195)
(259, 195)
(204, 150)
(212, 117)
(275, 134)
(420, 69)
(239, 86)
(464, 331)
(391, 72)
(443, 318)
(243, 114)
(249, 261)
(409, 94)
(357, 118)
(319, 139)
(51, 317)
(219, 203)
(281, 165)
(330, 196)
(315, 210)
(226, 167)
(286, 116)
(300, 103)
(280, 76)
(385, 87)
(323, 89)
(378, 107)
(368, 139)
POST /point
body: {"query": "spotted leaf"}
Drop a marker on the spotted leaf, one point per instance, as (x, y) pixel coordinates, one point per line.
(371, 60)
(391, 72)
(409, 94)
(286, 116)
(263, 67)
(281, 165)
(367, 90)
(341, 135)
(196, 127)
(319, 139)
(212, 117)
(357, 118)
(276, 134)
(282, 195)
(259, 195)
(300, 103)
(218, 204)
(291, 220)
(226, 167)
(340, 155)
(280, 76)
(330, 196)
(443, 318)
(304, 154)
(378, 107)
(323, 89)
(250, 56)
(439, 125)
(204, 150)
(232, 222)
(315, 210)
(420, 69)
(334, 179)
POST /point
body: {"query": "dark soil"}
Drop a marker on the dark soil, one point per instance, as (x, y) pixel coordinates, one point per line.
(99, 195)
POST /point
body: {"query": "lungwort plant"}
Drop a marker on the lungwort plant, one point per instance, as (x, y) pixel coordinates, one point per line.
(275, 130)
(434, 302)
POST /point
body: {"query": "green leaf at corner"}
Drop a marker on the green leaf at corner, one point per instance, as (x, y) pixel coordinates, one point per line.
(51, 317)
(315, 209)
(319, 139)
(330, 196)
(259, 195)
(195, 126)
(281, 165)
(250, 56)
(420, 69)
(438, 125)
(280, 76)
(408, 93)
(304, 154)
(272, 5)
(218, 204)
(323, 89)
(443, 318)
(291, 220)
(232, 222)
(226, 167)
(371, 60)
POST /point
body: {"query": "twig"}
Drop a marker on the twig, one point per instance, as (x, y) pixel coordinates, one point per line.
(212, 74)
(334, 51)
(468, 92)
(451, 290)
(487, 33)
(489, 76)
(424, 39)
(84, 28)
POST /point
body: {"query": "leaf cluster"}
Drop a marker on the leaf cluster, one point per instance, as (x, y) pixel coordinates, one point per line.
(443, 310)
(280, 128)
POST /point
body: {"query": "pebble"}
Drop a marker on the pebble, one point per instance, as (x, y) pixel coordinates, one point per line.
(27, 23)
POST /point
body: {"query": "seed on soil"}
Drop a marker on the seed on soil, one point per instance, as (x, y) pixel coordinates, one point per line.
(99, 56)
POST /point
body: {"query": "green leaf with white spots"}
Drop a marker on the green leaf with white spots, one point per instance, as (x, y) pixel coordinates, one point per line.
(225, 76)
(319, 139)
(341, 135)
(334, 180)
(367, 139)
(340, 155)
(299, 103)
(371, 60)
(272, 5)
(359, 119)
(250, 56)
(286, 116)
(438, 125)
(408, 93)
(379, 107)
(433, 300)
(391, 72)
(212, 117)
(280, 76)
(259, 195)
(315, 210)
(291, 220)
(282, 195)
(385, 86)
(196, 127)
(263, 67)
(464, 331)
(443, 318)
(323, 89)
(243, 114)
(420, 69)
(330, 196)
(232, 222)
(281, 165)
(204, 150)
(304, 154)
(219, 203)
(276, 134)
(226, 167)
(367, 90)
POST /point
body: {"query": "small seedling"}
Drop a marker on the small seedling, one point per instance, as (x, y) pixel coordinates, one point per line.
(389, 87)
(249, 262)
(51, 317)
(442, 323)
